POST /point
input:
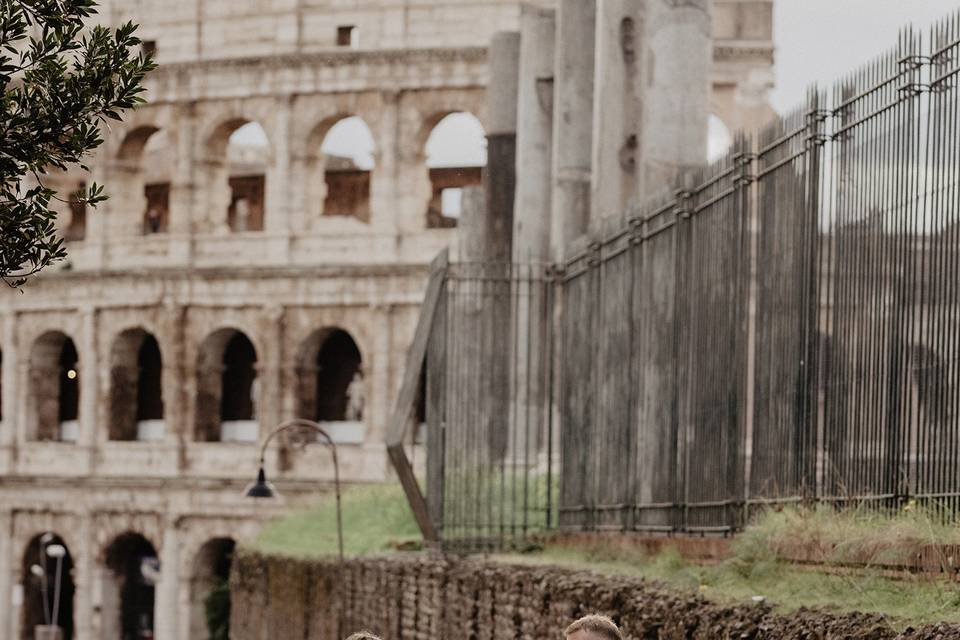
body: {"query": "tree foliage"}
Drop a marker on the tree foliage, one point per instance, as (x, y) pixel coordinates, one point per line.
(62, 80)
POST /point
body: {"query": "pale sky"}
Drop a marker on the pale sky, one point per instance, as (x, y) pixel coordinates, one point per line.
(822, 40)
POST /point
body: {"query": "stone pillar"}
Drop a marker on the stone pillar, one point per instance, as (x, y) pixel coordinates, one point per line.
(277, 198)
(268, 369)
(534, 135)
(500, 177)
(387, 186)
(532, 225)
(472, 228)
(165, 609)
(678, 91)
(7, 563)
(573, 122)
(183, 206)
(8, 401)
(618, 101)
(85, 574)
(88, 413)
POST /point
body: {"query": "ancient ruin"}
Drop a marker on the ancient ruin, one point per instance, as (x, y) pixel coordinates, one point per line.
(273, 212)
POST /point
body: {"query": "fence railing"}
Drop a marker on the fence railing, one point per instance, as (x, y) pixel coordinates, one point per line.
(784, 328)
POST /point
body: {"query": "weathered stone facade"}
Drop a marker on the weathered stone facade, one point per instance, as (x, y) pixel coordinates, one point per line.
(166, 263)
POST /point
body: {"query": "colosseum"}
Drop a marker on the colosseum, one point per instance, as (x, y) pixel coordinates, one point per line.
(274, 209)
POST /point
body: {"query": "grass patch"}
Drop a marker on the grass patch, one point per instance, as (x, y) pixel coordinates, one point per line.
(858, 535)
(375, 518)
(755, 568)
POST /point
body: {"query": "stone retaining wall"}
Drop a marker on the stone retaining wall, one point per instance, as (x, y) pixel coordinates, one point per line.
(419, 598)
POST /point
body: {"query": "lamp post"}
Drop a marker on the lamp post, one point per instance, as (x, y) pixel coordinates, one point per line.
(49, 549)
(261, 488)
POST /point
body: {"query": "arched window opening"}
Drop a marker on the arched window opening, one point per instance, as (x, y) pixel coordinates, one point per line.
(247, 151)
(155, 169)
(348, 163)
(228, 390)
(331, 384)
(719, 138)
(136, 393)
(142, 198)
(48, 587)
(129, 586)
(55, 389)
(456, 154)
(210, 591)
(77, 226)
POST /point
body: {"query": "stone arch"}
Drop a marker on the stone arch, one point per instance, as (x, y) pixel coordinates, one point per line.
(237, 158)
(209, 575)
(343, 150)
(455, 149)
(227, 388)
(145, 160)
(48, 586)
(129, 571)
(54, 389)
(136, 387)
(133, 143)
(330, 373)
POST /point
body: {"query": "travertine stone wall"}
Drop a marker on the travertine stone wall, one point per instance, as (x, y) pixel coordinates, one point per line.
(224, 63)
(422, 598)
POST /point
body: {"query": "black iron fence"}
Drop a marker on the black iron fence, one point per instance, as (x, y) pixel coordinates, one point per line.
(487, 381)
(784, 328)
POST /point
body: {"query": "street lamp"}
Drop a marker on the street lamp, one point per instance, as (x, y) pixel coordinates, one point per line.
(261, 488)
(49, 549)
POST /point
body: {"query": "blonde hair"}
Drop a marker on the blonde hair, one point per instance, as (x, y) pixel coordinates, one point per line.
(362, 635)
(601, 626)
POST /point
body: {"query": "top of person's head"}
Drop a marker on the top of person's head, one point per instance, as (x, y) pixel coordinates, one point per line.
(363, 635)
(594, 627)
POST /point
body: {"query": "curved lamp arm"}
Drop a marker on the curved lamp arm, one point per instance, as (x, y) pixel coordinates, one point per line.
(302, 423)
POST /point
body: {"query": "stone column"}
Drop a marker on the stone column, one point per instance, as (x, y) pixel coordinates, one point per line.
(183, 206)
(678, 90)
(500, 177)
(573, 122)
(89, 414)
(85, 574)
(8, 401)
(388, 185)
(279, 187)
(165, 609)
(7, 563)
(268, 369)
(532, 225)
(472, 228)
(618, 101)
(534, 135)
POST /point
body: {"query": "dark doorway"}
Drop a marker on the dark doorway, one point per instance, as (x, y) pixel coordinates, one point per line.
(149, 384)
(338, 360)
(43, 603)
(69, 382)
(135, 567)
(210, 591)
(239, 374)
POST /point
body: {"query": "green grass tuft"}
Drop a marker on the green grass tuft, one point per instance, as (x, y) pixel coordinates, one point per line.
(376, 518)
